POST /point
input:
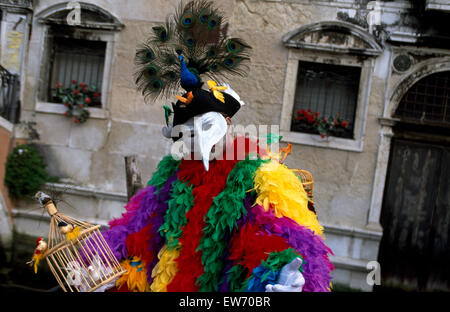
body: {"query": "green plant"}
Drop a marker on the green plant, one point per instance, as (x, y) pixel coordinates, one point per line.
(25, 172)
(76, 99)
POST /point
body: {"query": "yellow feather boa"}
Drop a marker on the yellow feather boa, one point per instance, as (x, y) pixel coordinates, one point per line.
(279, 188)
(165, 270)
(135, 276)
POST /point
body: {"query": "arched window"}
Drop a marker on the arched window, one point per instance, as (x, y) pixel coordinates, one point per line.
(327, 84)
(427, 101)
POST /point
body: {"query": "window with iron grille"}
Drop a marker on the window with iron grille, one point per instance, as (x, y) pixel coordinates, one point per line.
(76, 60)
(326, 93)
(427, 101)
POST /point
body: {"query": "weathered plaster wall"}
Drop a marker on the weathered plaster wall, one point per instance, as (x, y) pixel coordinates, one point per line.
(91, 154)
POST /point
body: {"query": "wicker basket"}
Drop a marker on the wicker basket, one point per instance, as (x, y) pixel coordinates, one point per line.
(307, 181)
(80, 260)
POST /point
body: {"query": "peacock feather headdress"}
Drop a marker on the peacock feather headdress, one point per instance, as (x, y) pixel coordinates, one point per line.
(191, 44)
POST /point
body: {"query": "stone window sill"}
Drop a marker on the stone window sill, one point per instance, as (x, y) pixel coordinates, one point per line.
(52, 108)
(327, 142)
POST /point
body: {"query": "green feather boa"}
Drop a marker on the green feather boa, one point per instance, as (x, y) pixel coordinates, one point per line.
(166, 169)
(222, 218)
(181, 200)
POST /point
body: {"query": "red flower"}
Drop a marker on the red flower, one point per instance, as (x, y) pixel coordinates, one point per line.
(96, 94)
(85, 89)
(82, 85)
(344, 124)
(74, 81)
(322, 135)
(87, 100)
(66, 104)
(310, 118)
(59, 85)
(75, 92)
(325, 120)
(80, 105)
(76, 120)
(66, 114)
(309, 110)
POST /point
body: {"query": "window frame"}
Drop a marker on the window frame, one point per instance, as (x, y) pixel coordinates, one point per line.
(43, 105)
(294, 57)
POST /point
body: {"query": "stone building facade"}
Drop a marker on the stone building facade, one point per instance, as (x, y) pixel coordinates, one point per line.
(385, 41)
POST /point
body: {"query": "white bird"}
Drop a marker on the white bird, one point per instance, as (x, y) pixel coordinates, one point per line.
(75, 276)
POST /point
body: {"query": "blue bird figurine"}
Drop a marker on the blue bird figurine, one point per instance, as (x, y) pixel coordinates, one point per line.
(188, 80)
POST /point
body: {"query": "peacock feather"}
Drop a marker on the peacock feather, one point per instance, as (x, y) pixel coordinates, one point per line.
(197, 31)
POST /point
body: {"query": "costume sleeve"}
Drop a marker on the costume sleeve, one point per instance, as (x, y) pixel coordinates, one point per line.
(266, 243)
(134, 238)
(250, 251)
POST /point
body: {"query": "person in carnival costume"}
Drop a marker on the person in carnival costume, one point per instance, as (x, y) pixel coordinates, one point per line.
(239, 222)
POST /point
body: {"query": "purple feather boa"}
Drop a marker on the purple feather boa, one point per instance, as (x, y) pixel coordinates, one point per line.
(317, 266)
(138, 215)
(156, 241)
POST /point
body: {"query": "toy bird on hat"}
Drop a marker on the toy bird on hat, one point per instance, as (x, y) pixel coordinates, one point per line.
(191, 46)
(239, 223)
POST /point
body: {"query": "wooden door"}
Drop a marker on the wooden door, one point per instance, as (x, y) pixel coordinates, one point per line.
(414, 251)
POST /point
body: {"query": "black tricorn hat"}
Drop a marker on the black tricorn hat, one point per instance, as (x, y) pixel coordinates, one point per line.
(203, 102)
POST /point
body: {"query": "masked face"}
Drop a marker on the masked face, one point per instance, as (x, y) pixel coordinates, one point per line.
(201, 133)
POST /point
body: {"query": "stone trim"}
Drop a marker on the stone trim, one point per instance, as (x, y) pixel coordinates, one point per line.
(349, 264)
(417, 72)
(352, 232)
(44, 217)
(86, 191)
(45, 16)
(440, 5)
(6, 124)
(53, 108)
(372, 47)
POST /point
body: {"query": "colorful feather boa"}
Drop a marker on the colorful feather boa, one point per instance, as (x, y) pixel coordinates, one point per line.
(135, 277)
(206, 231)
(279, 189)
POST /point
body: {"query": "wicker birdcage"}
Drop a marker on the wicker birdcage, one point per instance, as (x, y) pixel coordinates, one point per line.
(77, 254)
(307, 181)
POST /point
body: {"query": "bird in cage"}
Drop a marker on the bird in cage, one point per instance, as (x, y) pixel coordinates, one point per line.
(77, 276)
(70, 231)
(96, 269)
(39, 251)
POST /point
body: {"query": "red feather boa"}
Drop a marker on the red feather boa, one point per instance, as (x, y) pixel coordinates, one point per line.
(137, 244)
(249, 247)
(207, 185)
